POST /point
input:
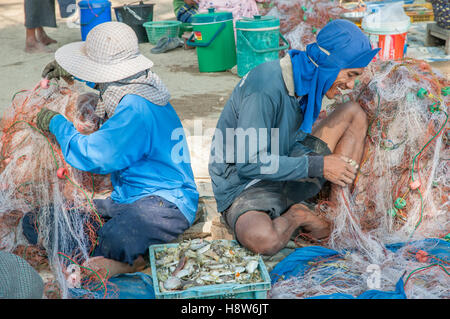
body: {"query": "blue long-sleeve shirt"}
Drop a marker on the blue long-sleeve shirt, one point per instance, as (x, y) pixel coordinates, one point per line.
(142, 146)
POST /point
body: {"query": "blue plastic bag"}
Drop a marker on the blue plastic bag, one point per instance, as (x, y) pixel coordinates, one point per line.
(124, 286)
(296, 264)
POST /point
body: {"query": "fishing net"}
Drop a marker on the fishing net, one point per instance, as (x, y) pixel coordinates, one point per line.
(424, 275)
(401, 191)
(34, 177)
(301, 20)
(400, 194)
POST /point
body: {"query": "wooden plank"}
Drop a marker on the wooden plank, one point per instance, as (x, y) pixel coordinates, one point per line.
(434, 33)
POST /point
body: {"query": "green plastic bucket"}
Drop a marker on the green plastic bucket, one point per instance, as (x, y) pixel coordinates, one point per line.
(185, 27)
(258, 41)
(213, 36)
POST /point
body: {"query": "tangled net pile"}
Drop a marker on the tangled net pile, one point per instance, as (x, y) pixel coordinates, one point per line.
(424, 275)
(301, 20)
(400, 194)
(35, 177)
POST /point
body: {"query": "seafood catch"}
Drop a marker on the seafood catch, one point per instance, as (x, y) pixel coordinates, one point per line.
(201, 262)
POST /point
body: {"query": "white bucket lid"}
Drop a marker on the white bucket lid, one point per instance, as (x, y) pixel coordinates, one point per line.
(390, 19)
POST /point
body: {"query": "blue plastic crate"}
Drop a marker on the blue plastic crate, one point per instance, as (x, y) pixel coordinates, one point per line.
(221, 291)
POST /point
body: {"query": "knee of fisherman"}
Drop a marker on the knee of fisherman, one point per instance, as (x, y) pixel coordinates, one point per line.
(155, 197)
(266, 158)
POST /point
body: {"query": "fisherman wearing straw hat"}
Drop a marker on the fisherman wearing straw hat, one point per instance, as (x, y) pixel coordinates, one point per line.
(155, 197)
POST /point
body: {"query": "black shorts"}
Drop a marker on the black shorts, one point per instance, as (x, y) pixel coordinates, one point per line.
(275, 198)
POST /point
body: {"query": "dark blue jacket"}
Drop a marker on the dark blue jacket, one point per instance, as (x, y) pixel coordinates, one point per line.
(259, 107)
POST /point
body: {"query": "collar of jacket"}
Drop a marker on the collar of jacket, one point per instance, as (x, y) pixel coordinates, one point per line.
(288, 75)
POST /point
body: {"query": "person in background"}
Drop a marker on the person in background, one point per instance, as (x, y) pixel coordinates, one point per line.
(185, 9)
(39, 14)
(239, 8)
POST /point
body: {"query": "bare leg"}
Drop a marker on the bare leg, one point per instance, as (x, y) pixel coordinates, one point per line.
(114, 267)
(259, 233)
(30, 41)
(344, 131)
(43, 37)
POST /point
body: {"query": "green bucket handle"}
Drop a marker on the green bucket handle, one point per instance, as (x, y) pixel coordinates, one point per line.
(284, 47)
(206, 44)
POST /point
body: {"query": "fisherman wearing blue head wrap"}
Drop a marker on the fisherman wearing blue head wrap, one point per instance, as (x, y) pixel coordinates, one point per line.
(266, 156)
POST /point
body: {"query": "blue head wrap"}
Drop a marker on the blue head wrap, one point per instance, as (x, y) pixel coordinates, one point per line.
(339, 45)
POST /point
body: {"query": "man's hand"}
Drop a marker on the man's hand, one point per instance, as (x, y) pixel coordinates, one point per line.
(54, 71)
(190, 2)
(43, 119)
(339, 169)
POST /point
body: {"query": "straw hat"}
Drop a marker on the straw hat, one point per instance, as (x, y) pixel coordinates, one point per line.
(110, 53)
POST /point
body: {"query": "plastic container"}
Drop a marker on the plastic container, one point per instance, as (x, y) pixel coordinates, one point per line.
(135, 16)
(387, 29)
(258, 41)
(419, 12)
(185, 27)
(239, 291)
(374, 6)
(354, 16)
(93, 13)
(158, 29)
(213, 37)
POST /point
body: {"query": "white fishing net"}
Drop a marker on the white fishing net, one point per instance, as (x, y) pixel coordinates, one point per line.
(301, 20)
(353, 274)
(35, 178)
(400, 194)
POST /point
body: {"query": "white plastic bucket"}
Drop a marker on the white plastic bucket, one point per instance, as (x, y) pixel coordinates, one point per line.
(387, 34)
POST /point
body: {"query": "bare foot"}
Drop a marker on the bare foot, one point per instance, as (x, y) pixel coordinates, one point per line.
(36, 47)
(114, 267)
(43, 37)
(46, 40)
(315, 226)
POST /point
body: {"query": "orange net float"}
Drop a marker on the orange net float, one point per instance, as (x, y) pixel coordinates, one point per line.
(44, 83)
(62, 172)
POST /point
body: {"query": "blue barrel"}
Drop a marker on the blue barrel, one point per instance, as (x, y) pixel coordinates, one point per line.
(92, 13)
